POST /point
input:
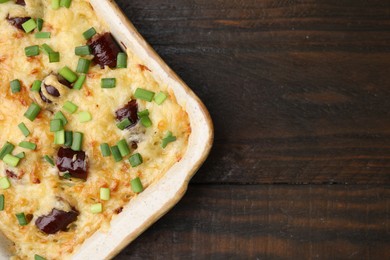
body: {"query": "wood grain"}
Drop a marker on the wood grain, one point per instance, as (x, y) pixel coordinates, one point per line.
(272, 221)
(297, 90)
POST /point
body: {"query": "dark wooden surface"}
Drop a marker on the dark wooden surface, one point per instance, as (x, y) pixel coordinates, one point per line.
(299, 93)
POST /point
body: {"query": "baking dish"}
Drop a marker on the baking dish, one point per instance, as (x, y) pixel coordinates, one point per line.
(145, 209)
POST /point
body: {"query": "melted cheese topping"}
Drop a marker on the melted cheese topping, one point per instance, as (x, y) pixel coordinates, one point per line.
(38, 188)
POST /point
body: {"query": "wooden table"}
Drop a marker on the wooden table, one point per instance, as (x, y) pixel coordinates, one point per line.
(299, 92)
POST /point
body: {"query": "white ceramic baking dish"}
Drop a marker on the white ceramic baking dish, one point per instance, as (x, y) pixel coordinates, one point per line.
(157, 199)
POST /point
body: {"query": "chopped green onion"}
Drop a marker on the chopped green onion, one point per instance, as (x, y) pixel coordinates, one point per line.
(108, 83)
(39, 24)
(143, 113)
(123, 147)
(32, 112)
(15, 86)
(85, 116)
(29, 25)
(160, 98)
(121, 61)
(4, 183)
(46, 49)
(144, 94)
(65, 3)
(38, 257)
(83, 50)
(124, 124)
(97, 208)
(54, 57)
(136, 185)
(6, 149)
(116, 153)
(60, 115)
(28, 145)
(70, 107)
(77, 141)
(55, 4)
(2, 202)
(21, 155)
(21, 219)
(48, 159)
(68, 74)
(36, 87)
(169, 138)
(32, 51)
(88, 34)
(80, 82)
(105, 193)
(83, 66)
(11, 160)
(68, 138)
(105, 149)
(146, 122)
(24, 129)
(3, 1)
(59, 137)
(135, 160)
(56, 125)
(43, 35)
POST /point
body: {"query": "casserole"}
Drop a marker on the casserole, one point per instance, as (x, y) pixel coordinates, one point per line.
(146, 208)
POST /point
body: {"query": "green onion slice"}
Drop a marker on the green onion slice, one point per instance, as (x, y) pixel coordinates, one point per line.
(105, 193)
(46, 49)
(59, 137)
(55, 4)
(68, 74)
(4, 183)
(169, 138)
(2, 200)
(105, 149)
(68, 138)
(144, 94)
(6, 149)
(21, 219)
(43, 35)
(143, 113)
(108, 83)
(116, 153)
(15, 86)
(123, 147)
(124, 124)
(136, 185)
(21, 155)
(39, 24)
(65, 3)
(28, 145)
(60, 115)
(80, 82)
(146, 122)
(121, 60)
(36, 86)
(85, 116)
(29, 25)
(97, 208)
(32, 112)
(54, 57)
(83, 50)
(32, 51)
(160, 98)
(88, 34)
(83, 66)
(77, 141)
(70, 107)
(11, 160)
(135, 160)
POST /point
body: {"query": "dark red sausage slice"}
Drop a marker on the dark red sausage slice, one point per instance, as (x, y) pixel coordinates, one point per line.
(20, 2)
(128, 111)
(56, 220)
(73, 162)
(17, 21)
(105, 50)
